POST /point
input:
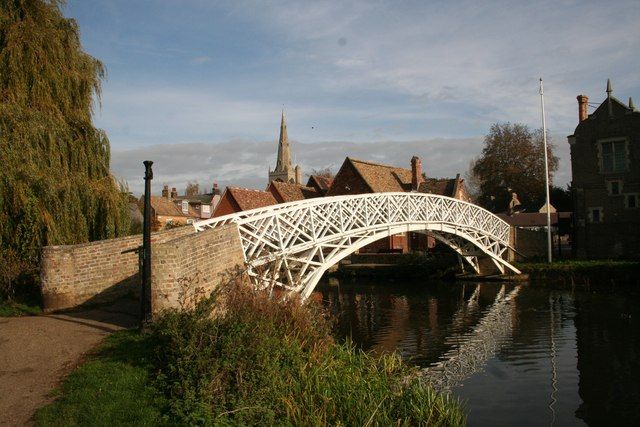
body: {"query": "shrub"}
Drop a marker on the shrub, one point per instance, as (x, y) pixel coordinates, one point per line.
(267, 360)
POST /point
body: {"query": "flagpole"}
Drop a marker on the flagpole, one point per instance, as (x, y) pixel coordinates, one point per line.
(546, 174)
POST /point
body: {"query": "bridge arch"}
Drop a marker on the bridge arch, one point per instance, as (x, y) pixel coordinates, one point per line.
(291, 245)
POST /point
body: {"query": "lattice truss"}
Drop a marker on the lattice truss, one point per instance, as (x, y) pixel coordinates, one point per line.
(291, 245)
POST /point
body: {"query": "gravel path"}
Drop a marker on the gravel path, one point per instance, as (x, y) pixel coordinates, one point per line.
(37, 352)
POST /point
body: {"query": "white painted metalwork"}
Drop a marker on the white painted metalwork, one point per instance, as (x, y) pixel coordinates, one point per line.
(291, 245)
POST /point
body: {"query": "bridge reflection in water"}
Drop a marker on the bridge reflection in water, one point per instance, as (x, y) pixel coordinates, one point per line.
(513, 352)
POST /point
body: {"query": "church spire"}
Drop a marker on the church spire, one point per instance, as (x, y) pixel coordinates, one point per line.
(609, 90)
(283, 162)
(284, 170)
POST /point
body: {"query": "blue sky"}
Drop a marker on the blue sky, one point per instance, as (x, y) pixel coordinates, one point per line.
(198, 85)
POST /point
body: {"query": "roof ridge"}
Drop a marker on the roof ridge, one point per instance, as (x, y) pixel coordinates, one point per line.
(375, 164)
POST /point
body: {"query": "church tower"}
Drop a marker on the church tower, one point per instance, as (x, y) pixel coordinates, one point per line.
(284, 171)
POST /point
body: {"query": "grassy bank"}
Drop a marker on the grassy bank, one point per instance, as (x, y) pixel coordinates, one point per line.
(258, 361)
(13, 308)
(584, 272)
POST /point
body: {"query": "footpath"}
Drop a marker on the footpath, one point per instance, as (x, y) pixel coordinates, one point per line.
(37, 352)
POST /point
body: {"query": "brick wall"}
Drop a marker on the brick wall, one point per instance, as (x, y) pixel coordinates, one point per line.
(94, 272)
(193, 264)
(348, 181)
(531, 243)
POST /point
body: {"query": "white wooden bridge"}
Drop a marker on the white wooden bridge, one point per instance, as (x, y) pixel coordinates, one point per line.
(291, 245)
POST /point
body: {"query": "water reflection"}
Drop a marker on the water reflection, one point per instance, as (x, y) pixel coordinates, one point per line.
(519, 355)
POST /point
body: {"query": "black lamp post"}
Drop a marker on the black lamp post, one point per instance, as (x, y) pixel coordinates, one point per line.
(145, 297)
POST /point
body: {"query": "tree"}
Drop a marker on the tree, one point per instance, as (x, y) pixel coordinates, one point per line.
(193, 189)
(55, 184)
(323, 172)
(512, 161)
(561, 198)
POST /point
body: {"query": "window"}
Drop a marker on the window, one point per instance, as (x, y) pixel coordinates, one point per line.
(631, 201)
(595, 215)
(206, 209)
(614, 187)
(613, 156)
(185, 206)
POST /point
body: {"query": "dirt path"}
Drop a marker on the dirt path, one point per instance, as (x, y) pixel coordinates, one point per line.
(36, 352)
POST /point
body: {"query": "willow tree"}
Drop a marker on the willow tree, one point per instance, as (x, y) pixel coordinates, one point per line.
(55, 183)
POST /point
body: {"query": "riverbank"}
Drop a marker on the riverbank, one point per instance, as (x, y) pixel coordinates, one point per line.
(257, 361)
(585, 273)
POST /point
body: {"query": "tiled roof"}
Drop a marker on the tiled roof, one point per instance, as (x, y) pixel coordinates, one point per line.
(534, 219)
(383, 178)
(440, 186)
(292, 192)
(168, 207)
(248, 199)
(322, 182)
(529, 219)
(197, 198)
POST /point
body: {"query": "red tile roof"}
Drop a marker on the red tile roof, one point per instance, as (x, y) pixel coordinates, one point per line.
(248, 199)
(288, 192)
(383, 178)
(440, 186)
(321, 182)
(168, 207)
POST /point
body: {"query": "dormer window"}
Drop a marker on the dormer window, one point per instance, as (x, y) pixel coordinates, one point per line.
(613, 155)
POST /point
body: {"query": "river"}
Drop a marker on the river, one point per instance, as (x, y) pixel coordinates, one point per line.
(515, 354)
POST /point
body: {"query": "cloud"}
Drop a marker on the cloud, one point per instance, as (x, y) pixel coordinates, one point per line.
(246, 163)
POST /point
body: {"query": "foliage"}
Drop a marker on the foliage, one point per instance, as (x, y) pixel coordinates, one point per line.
(561, 198)
(193, 189)
(261, 361)
(13, 309)
(323, 172)
(512, 160)
(55, 184)
(113, 388)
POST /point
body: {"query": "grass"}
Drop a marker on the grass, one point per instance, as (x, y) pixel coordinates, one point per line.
(113, 387)
(578, 264)
(258, 361)
(584, 272)
(11, 308)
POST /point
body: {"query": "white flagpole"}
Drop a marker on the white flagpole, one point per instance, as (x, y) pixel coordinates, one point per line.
(546, 175)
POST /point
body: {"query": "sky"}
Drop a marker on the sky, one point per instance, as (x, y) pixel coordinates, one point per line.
(198, 86)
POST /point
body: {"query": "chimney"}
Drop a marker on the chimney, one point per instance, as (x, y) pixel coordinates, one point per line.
(174, 193)
(165, 191)
(416, 172)
(582, 107)
(216, 190)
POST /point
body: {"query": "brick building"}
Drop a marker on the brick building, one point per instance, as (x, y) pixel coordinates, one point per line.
(358, 177)
(202, 204)
(605, 162)
(285, 192)
(320, 183)
(236, 199)
(165, 212)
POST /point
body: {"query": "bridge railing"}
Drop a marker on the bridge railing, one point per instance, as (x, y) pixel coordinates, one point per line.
(458, 211)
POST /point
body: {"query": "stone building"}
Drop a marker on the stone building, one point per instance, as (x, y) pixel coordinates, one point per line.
(284, 170)
(605, 162)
